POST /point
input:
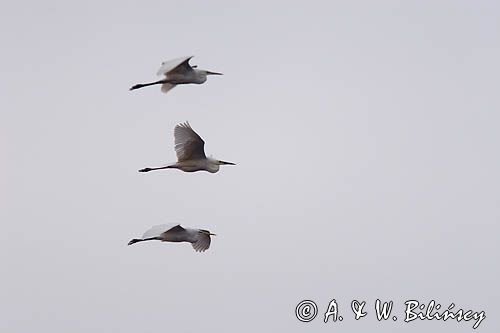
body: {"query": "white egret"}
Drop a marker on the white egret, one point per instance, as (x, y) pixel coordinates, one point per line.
(199, 238)
(178, 71)
(189, 148)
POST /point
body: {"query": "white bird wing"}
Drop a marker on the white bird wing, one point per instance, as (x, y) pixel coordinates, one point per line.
(165, 88)
(188, 144)
(180, 64)
(203, 242)
(157, 230)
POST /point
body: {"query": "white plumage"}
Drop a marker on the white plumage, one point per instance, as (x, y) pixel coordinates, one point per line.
(170, 65)
(157, 230)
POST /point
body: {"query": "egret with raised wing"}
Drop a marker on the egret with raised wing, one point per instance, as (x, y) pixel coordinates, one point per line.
(178, 71)
(199, 238)
(190, 151)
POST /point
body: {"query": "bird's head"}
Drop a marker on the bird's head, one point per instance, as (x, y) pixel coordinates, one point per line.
(201, 75)
(214, 165)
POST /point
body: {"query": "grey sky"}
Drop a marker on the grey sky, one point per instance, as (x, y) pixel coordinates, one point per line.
(366, 137)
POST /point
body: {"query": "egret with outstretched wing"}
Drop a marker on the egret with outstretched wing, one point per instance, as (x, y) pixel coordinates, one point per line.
(178, 71)
(189, 147)
(199, 238)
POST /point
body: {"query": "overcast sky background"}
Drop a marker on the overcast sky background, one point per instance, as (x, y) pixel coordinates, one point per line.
(366, 137)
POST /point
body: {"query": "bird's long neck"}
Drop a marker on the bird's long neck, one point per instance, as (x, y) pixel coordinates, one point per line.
(142, 85)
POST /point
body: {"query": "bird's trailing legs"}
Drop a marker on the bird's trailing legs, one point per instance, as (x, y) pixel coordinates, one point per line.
(142, 85)
(151, 169)
(137, 240)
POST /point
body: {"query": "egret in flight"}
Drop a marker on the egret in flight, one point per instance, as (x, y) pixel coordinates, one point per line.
(189, 148)
(199, 238)
(178, 71)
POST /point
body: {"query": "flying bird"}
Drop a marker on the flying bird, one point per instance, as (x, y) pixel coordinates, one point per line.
(191, 157)
(178, 71)
(199, 238)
